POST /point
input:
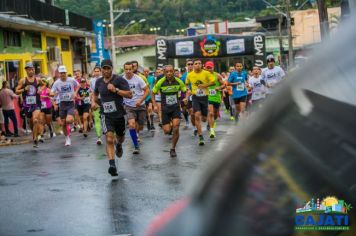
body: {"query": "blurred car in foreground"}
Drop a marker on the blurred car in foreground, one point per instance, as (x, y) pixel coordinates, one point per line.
(295, 152)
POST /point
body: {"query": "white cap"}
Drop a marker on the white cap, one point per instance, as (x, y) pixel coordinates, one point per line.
(62, 69)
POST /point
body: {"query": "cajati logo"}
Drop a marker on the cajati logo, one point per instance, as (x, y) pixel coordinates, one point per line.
(329, 213)
(210, 47)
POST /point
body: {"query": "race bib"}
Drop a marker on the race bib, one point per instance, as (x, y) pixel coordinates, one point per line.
(31, 100)
(171, 99)
(256, 95)
(212, 92)
(240, 87)
(109, 107)
(66, 97)
(86, 100)
(200, 92)
(133, 92)
(44, 105)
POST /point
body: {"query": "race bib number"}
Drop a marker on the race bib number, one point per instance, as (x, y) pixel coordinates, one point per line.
(212, 92)
(171, 99)
(240, 87)
(200, 93)
(256, 95)
(31, 100)
(133, 92)
(86, 100)
(109, 107)
(44, 105)
(66, 97)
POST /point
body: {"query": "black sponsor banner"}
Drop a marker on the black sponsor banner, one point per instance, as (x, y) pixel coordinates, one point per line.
(212, 46)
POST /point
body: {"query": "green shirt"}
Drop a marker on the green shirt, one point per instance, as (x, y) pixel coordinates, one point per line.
(214, 95)
(169, 91)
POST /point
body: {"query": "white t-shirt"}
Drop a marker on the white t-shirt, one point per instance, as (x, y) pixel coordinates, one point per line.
(65, 89)
(136, 86)
(272, 76)
(258, 89)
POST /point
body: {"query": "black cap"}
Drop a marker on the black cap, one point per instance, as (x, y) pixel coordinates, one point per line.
(106, 62)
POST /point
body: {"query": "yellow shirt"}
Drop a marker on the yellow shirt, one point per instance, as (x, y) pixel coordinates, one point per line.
(143, 77)
(195, 79)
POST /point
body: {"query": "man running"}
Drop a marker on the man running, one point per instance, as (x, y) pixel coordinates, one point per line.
(258, 89)
(83, 105)
(272, 74)
(135, 106)
(29, 87)
(169, 87)
(66, 89)
(112, 89)
(96, 109)
(200, 80)
(214, 97)
(151, 82)
(238, 80)
(187, 106)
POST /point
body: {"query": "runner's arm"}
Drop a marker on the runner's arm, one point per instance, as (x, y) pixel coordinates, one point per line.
(20, 89)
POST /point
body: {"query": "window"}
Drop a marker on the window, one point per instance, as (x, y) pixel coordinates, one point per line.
(65, 44)
(51, 42)
(12, 38)
(36, 40)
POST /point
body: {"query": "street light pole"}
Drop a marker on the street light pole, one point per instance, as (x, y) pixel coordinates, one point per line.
(113, 47)
(290, 37)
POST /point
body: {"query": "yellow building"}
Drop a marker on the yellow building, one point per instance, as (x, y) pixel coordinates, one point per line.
(47, 36)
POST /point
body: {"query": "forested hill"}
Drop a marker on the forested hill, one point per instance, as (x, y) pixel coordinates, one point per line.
(171, 15)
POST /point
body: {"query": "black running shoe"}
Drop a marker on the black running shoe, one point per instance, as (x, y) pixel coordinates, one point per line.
(153, 127)
(35, 143)
(173, 153)
(136, 150)
(85, 135)
(119, 150)
(113, 171)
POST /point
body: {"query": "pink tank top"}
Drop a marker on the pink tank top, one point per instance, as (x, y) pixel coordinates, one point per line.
(45, 101)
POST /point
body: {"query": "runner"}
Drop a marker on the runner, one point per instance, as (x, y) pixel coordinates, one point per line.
(96, 107)
(28, 87)
(46, 106)
(199, 80)
(151, 82)
(66, 88)
(187, 105)
(238, 80)
(111, 88)
(135, 106)
(258, 89)
(83, 106)
(227, 97)
(135, 67)
(169, 87)
(77, 122)
(158, 75)
(272, 74)
(214, 97)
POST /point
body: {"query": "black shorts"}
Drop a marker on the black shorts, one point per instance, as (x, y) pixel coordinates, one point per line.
(240, 99)
(170, 113)
(83, 109)
(29, 110)
(47, 111)
(65, 109)
(216, 105)
(200, 104)
(190, 104)
(113, 124)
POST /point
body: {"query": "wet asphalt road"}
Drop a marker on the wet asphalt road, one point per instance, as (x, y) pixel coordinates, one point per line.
(57, 190)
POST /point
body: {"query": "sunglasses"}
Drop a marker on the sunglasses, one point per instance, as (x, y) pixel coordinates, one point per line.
(189, 64)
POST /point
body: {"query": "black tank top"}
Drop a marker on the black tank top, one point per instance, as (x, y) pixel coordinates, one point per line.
(31, 97)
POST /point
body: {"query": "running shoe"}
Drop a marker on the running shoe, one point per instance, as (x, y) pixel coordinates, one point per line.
(201, 141)
(112, 170)
(173, 153)
(232, 118)
(212, 133)
(214, 124)
(119, 150)
(136, 150)
(195, 132)
(35, 143)
(85, 135)
(68, 141)
(98, 141)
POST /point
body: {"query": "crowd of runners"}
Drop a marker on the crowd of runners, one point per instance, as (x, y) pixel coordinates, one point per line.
(112, 104)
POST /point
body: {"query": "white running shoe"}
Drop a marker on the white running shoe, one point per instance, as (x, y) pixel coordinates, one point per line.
(68, 142)
(99, 142)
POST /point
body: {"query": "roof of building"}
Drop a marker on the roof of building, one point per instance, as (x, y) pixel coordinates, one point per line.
(132, 40)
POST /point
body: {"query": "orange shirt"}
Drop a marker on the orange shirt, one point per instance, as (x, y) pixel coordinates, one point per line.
(228, 88)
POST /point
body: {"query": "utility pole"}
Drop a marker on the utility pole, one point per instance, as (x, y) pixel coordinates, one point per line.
(323, 18)
(290, 36)
(280, 20)
(112, 21)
